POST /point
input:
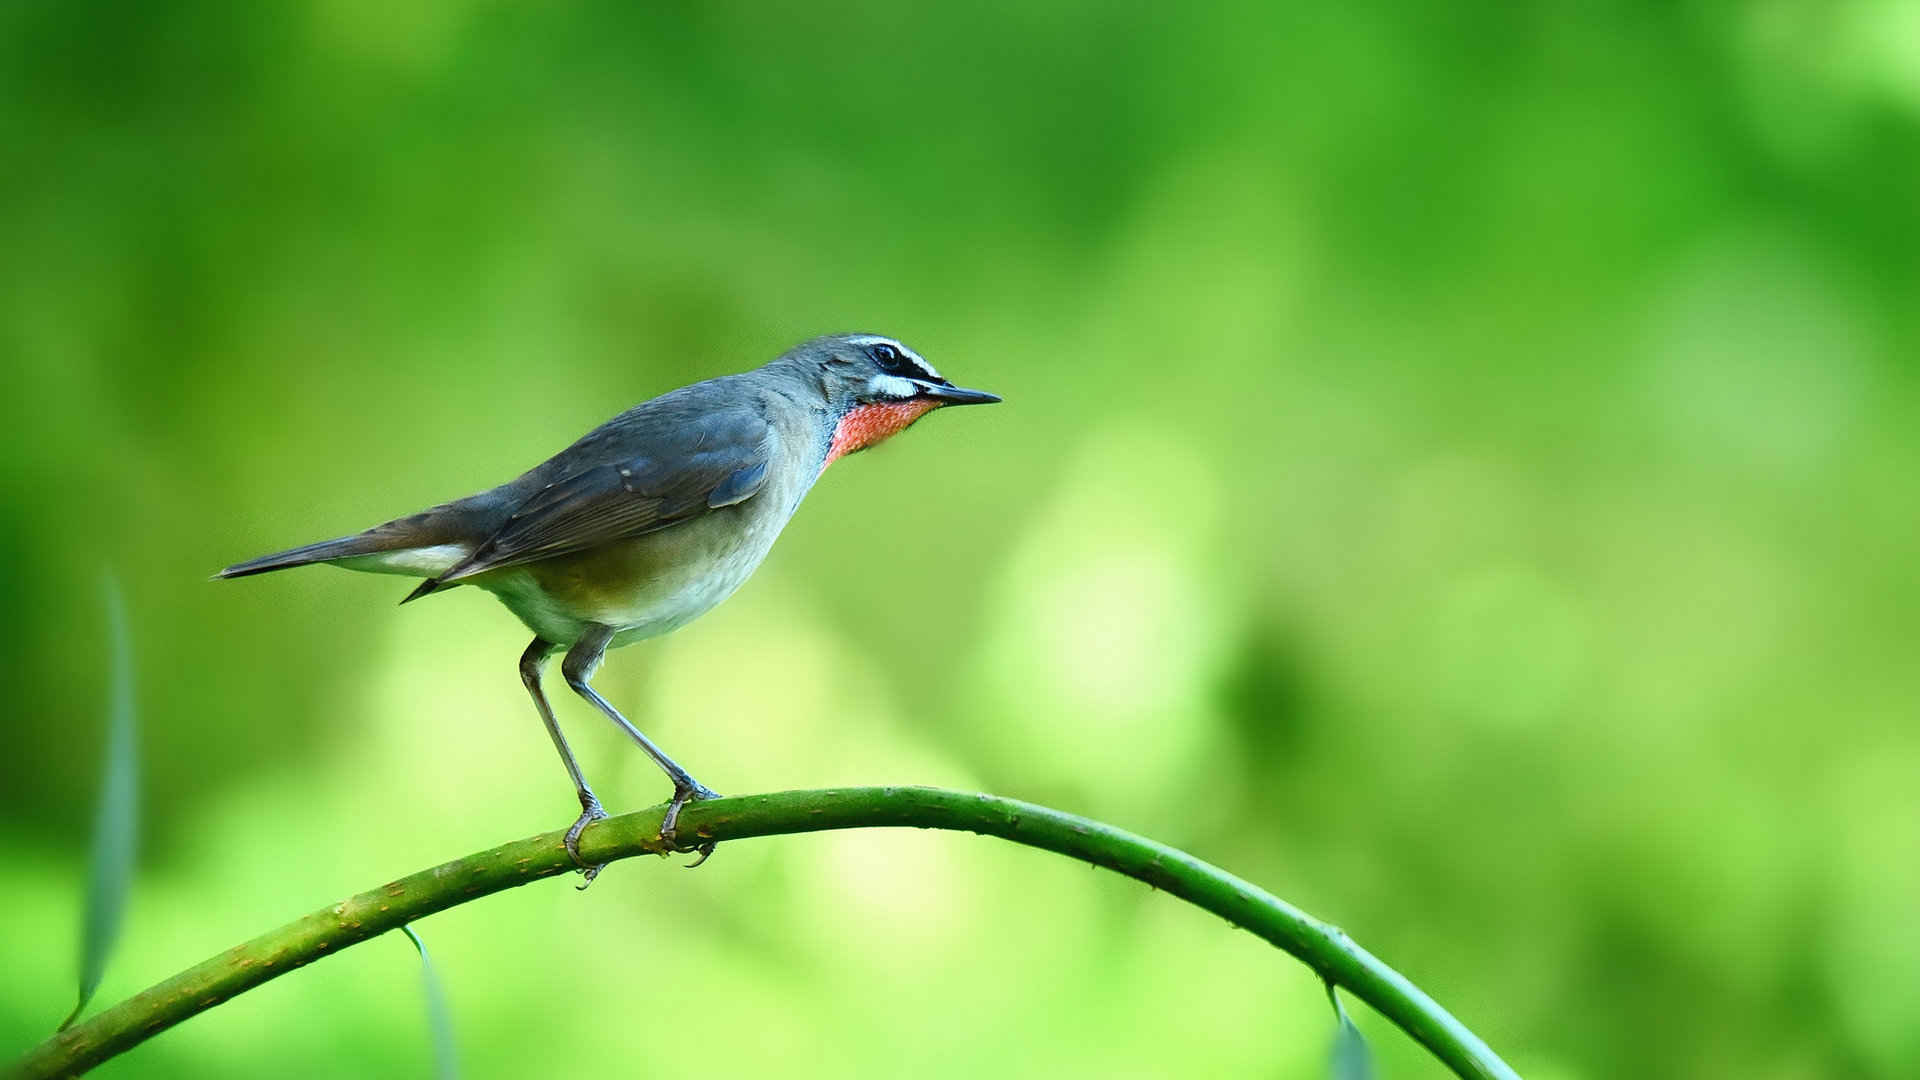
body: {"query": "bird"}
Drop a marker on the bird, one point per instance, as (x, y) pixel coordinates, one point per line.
(649, 520)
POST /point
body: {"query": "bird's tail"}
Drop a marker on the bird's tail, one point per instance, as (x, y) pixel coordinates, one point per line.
(419, 546)
(344, 547)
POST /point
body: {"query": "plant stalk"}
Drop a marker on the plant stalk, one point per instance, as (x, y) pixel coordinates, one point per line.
(1333, 956)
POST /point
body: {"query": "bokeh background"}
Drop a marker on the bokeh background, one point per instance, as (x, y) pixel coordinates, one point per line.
(1458, 471)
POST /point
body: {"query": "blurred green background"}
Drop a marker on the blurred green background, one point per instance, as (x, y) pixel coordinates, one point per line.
(1457, 471)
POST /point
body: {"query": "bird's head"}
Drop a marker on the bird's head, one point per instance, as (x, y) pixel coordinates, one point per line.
(875, 387)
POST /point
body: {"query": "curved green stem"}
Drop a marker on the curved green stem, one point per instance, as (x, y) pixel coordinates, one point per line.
(1325, 949)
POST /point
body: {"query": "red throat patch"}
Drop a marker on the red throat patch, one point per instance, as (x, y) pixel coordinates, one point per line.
(871, 425)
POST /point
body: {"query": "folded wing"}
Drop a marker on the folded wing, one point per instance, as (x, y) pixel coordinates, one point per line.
(611, 488)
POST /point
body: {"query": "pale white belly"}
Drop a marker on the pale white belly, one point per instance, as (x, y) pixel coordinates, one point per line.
(650, 585)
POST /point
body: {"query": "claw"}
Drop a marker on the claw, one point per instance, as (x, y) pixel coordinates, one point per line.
(590, 812)
(669, 825)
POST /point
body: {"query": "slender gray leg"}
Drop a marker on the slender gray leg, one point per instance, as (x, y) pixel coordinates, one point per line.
(578, 667)
(531, 664)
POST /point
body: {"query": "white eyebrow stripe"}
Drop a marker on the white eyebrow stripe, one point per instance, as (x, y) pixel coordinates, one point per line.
(926, 369)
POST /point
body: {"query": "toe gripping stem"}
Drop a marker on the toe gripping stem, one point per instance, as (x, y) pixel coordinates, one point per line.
(670, 824)
(590, 812)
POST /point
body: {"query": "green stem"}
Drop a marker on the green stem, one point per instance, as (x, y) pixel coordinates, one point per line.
(1325, 949)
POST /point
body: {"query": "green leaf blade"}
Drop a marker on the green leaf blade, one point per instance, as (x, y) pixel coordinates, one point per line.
(116, 822)
(446, 1063)
(1350, 1059)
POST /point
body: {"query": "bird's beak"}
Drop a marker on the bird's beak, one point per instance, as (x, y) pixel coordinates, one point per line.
(954, 395)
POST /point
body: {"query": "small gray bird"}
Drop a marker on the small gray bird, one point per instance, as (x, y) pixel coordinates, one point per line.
(651, 518)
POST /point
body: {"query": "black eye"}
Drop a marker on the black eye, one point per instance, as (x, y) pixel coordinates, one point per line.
(886, 356)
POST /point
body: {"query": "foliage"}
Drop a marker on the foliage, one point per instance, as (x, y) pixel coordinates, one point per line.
(1456, 470)
(116, 823)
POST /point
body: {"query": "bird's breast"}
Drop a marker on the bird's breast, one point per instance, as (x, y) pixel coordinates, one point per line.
(871, 425)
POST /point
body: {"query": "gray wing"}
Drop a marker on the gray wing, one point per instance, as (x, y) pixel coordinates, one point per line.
(620, 483)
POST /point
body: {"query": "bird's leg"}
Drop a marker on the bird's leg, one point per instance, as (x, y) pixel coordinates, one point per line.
(531, 664)
(578, 667)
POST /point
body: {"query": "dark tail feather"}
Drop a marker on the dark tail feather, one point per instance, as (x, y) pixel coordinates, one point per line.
(324, 551)
(424, 588)
(448, 523)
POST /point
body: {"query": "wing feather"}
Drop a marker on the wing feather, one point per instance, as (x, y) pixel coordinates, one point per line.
(612, 489)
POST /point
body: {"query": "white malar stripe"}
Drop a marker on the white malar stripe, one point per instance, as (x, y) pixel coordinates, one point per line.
(926, 369)
(892, 386)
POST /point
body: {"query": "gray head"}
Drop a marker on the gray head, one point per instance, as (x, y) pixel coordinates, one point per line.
(856, 370)
(873, 385)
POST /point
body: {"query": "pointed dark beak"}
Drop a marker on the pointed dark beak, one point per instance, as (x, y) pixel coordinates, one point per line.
(954, 395)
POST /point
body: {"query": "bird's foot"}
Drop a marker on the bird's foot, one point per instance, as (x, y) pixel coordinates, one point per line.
(590, 812)
(691, 792)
